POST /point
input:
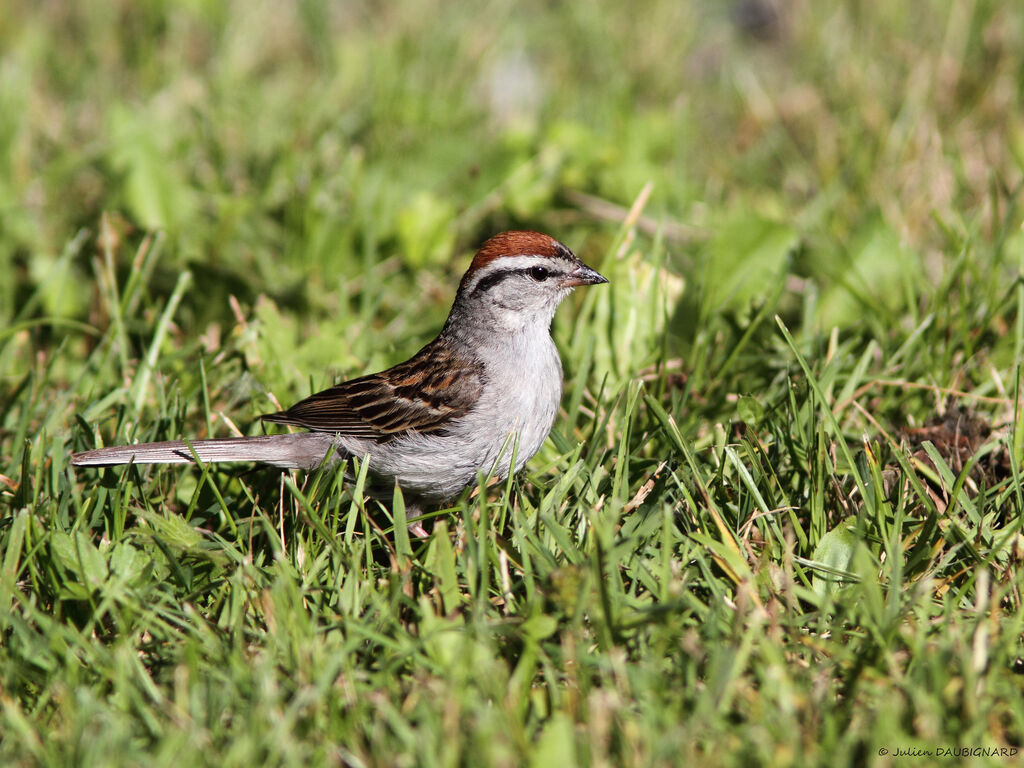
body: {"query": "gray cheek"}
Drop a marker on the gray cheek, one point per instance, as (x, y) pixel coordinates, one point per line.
(525, 295)
(513, 301)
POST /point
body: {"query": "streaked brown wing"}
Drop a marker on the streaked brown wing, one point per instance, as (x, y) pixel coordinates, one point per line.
(421, 394)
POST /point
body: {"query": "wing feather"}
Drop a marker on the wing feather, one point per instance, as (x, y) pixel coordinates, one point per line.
(423, 394)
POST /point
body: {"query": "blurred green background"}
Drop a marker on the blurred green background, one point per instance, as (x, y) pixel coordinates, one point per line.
(284, 148)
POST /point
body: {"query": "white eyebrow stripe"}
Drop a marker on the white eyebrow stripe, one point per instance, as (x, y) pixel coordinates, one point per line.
(515, 263)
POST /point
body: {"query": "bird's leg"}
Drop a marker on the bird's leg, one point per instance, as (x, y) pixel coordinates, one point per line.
(415, 509)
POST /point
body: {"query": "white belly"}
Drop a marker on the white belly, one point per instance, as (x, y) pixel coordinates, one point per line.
(511, 419)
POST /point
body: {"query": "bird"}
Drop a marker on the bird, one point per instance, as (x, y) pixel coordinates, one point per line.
(480, 398)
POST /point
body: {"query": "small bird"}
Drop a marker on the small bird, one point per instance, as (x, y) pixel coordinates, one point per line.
(485, 390)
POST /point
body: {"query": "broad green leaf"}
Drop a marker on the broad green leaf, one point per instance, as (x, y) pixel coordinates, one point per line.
(78, 555)
(835, 551)
(556, 745)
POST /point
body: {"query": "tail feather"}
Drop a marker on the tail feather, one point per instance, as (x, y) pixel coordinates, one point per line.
(299, 451)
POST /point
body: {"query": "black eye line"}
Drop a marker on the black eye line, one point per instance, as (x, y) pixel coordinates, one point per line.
(491, 280)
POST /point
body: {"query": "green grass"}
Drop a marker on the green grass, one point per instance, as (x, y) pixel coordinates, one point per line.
(779, 521)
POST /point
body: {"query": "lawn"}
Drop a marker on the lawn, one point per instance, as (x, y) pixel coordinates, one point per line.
(778, 520)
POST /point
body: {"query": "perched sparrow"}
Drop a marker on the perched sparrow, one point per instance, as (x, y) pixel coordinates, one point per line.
(485, 389)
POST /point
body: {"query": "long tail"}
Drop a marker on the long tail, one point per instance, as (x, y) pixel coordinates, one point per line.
(299, 451)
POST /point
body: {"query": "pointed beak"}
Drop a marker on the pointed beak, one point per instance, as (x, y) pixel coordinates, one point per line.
(583, 275)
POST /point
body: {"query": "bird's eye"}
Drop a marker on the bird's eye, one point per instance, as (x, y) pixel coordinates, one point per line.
(540, 274)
